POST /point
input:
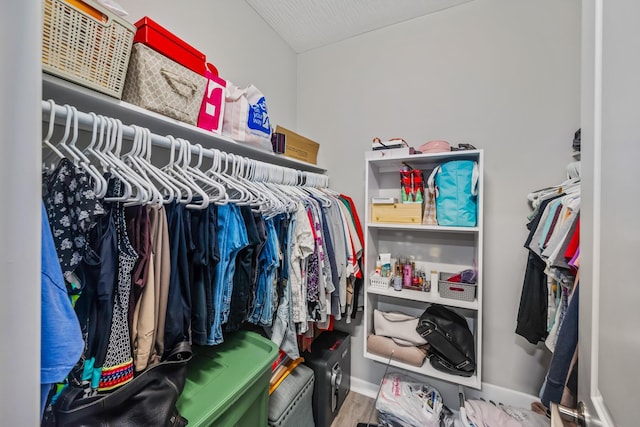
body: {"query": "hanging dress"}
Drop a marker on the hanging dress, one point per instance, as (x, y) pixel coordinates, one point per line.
(118, 365)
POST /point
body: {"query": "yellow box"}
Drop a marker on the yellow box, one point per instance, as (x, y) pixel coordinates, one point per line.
(397, 213)
(298, 147)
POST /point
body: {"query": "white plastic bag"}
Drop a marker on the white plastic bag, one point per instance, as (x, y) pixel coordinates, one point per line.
(404, 401)
(246, 118)
(114, 6)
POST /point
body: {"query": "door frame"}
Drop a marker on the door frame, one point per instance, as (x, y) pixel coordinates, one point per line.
(597, 413)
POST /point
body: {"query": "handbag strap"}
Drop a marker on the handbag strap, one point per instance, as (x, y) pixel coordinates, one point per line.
(475, 177)
(68, 396)
(181, 352)
(440, 342)
(431, 181)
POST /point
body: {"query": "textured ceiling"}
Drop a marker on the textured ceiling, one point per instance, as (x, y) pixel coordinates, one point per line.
(308, 24)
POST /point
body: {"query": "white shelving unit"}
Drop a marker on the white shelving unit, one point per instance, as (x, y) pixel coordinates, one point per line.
(87, 100)
(440, 248)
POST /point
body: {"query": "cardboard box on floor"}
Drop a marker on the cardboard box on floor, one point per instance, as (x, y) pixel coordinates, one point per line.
(298, 147)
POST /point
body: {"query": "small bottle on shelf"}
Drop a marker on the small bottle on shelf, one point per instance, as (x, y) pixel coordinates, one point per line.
(397, 279)
(378, 267)
(407, 275)
(415, 280)
(434, 281)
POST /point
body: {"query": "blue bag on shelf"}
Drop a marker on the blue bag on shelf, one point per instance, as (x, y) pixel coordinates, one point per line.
(456, 184)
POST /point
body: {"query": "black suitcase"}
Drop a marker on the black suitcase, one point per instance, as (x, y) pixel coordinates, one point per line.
(330, 359)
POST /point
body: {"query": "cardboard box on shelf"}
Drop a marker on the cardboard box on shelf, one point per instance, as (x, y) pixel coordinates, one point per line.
(397, 213)
(298, 147)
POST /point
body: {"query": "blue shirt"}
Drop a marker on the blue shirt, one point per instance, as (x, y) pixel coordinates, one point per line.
(61, 339)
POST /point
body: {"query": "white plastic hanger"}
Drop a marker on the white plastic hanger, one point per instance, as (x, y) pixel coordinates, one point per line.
(311, 184)
(239, 164)
(283, 180)
(293, 181)
(175, 169)
(47, 139)
(89, 150)
(61, 145)
(132, 159)
(141, 156)
(81, 160)
(183, 192)
(215, 191)
(229, 170)
(538, 196)
(235, 193)
(186, 194)
(278, 201)
(185, 148)
(265, 200)
(97, 137)
(106, 136)
(143, 188)
(78, 158)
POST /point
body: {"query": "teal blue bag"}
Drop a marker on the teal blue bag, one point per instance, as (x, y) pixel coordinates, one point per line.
(456, 187)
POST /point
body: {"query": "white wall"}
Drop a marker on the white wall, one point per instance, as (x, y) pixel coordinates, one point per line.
(503, 75)
(237, 41)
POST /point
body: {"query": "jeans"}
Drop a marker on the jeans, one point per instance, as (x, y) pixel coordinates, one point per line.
(232, 237)
(262, 309)
(561, 360)
(203, 261)
(243, 280)
(282, 224)
(178, 317)
(283, 332)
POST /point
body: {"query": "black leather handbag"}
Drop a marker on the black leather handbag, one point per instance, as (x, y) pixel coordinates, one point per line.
(147, 400)
(451, 344)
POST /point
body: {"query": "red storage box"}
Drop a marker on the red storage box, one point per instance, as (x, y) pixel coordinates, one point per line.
(162, 40)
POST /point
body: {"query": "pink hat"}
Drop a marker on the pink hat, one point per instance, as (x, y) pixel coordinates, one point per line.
(436, 146)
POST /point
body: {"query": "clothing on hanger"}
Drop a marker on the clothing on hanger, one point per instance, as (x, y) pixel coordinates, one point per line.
(62, 343)
(117, 369)
(158, 256)
(548, 303)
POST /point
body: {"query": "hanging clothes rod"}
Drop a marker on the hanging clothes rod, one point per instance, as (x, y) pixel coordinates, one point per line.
(85, 122)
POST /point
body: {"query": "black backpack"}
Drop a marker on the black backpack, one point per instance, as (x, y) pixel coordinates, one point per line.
(451, 344)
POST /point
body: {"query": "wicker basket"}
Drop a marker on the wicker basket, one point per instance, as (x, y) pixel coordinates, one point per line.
(380, 282)
(87, 44)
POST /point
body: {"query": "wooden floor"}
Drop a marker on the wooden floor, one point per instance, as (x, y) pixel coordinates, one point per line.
(356, 409)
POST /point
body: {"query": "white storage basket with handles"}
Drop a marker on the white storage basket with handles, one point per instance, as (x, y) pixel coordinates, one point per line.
(87, 44)
(456, 290)
(379, 282)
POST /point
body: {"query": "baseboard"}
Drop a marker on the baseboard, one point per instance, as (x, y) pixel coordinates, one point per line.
(488, 392)
(363, 387)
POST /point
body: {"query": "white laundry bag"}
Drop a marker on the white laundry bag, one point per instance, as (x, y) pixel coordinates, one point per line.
(246, 118)
(407, 402)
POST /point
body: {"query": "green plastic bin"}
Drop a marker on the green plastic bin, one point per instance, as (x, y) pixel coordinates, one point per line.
(228, 385)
